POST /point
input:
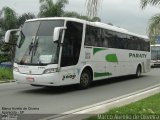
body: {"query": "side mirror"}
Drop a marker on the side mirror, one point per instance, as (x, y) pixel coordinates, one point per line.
(8, 34)
(56, 33)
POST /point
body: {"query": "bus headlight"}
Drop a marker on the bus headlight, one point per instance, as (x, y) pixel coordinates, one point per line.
(51, 70)
(16, 69)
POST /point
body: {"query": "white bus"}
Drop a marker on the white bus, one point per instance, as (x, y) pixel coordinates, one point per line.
(63, 51)
(155, 55)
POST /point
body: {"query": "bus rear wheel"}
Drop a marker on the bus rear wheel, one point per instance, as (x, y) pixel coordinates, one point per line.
(138, 71)
(85, 79)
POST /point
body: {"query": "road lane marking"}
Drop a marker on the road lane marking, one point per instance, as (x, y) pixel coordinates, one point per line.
(104, 106)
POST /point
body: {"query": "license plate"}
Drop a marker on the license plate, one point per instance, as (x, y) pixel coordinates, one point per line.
(30, 79)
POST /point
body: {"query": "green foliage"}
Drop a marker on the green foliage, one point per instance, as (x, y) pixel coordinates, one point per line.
(71, 14)
(93, 7)
(76, 15)
(10, 49)
(154, 27)
(4, 48)
(6, 73)
(9, 21)
(24, 17)
(148, 106)
(85, 18)
(4, 57)
(154, 22)
(144, 3)
(1, 35)
(50, 9)
(96, 19)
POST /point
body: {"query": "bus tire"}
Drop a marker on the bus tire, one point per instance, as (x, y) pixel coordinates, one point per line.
(85, 79)
(138, 71)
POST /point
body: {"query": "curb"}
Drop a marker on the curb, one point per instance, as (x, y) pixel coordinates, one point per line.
(99, 108)
(7, 81)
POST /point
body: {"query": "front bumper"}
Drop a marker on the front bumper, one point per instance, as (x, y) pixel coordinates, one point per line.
(52, 79)
(155, 64)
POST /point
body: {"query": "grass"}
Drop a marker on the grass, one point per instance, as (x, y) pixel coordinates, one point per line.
(6, 73)
(147, 106)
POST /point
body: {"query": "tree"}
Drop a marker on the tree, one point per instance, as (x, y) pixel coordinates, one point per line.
(1, 32)
(93, 7)
(50, 9)
(154, 27)
(71, 14)
(154, 22)
(24, 17)
(1, 35)
(76, 15)
(144, 3)
(96, 19)
(9, 19)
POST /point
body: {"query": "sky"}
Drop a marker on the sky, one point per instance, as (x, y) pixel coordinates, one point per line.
(122, 13)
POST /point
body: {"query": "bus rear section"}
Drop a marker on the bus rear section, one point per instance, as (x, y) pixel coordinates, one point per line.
(155, 55)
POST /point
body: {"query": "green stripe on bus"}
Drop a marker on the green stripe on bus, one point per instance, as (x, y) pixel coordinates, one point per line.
(111, 58)
(95, 50)
(96, 74)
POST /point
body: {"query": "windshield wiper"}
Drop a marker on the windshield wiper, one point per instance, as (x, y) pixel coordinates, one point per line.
(31, 47)
(35, 46)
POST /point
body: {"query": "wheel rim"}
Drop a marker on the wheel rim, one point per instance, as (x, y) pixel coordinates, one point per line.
(85, 79)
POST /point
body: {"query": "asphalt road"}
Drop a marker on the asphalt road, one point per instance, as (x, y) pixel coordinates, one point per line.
(36, 100)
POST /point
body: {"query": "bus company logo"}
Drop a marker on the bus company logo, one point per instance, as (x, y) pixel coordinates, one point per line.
(69, 76)
(137, 55)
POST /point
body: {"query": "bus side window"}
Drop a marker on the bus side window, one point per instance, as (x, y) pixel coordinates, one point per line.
(88, 37)
(88, 40)
(72, 44)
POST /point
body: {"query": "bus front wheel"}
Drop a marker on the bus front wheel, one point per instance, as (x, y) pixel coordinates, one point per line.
(138, 71)
(85, 79)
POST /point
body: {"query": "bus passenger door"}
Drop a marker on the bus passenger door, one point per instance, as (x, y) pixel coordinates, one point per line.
(71, 48)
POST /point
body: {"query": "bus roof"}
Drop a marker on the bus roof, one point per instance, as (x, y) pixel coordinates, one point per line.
(97, 24)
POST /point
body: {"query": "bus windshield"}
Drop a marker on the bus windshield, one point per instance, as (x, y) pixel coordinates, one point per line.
(36, 46)
(155, 52)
